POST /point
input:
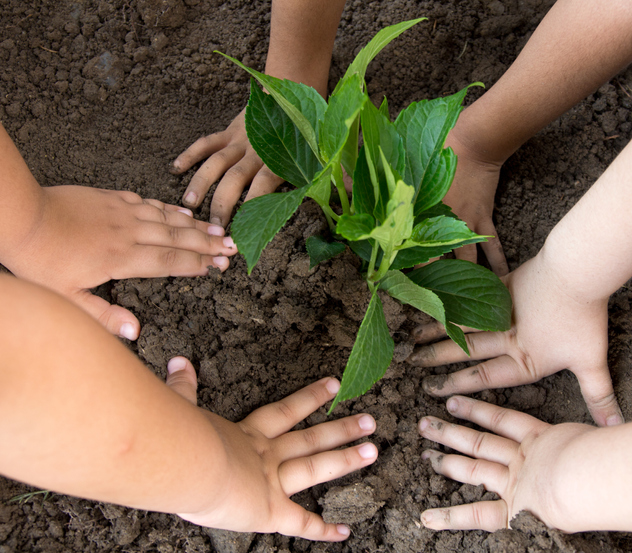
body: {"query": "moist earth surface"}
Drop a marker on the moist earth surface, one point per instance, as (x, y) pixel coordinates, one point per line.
(107, 93)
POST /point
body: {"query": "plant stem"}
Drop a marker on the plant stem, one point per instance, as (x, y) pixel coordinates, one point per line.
(369, 273)
(331, 216)
(384, 265)
(342, 191)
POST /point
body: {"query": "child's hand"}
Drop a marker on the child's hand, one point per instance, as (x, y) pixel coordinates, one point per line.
(519, 466)
(471, 197)
(269, 463)
(550, 332)
(229, 154)
(85, 237)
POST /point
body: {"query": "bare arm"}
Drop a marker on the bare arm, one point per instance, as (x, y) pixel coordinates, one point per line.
(83, 416)
(577, 47)
(302, 34)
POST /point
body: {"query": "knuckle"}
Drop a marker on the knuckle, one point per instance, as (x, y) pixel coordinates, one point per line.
(478, 444)
(284, 409)
(484, 374)
(497, 418)
(170, 258)
(312, 438)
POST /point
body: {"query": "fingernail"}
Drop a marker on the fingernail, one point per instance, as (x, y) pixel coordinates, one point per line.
(343, 530)
(128, 331)
(228, 243)
(333, 386)
(176, 364)
(367, 451)
(614, 420)
(452, 405)
(221, 262)
(426, 517)
(216, 221)
(423, 424)
(190, 198)
(215, 230)
(366, 422)
(186, 211)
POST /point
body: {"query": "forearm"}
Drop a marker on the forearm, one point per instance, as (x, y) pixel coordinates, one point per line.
(592, 482)
(589, 252)
(81, 415)
(302, 34)
(21, 201)
(578, 46)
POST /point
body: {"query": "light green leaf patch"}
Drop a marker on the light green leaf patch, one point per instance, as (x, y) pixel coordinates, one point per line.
(442, 231)
(371, 354)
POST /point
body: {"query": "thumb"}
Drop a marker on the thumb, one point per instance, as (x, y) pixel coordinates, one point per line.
(596, 387)
(182, 378)
(116, 319)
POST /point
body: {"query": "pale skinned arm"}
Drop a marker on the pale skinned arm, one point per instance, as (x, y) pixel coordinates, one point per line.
(74, 238)
(577, 47)
(302, 34)
(84, 417)
(573, 477)
(560, 305)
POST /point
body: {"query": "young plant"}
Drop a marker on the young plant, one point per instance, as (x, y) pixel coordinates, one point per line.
(395, 220)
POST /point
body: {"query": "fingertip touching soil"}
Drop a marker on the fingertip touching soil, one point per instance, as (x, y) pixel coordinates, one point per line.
(107, 93)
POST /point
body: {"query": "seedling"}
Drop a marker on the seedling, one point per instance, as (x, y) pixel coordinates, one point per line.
(395, 220)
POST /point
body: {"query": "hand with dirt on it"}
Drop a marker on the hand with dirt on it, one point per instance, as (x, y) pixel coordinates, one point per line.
(74, 238)
(269, 462)
(550, 332)
(471, 197)
(556, 472)
(84, 237)
(231, 158)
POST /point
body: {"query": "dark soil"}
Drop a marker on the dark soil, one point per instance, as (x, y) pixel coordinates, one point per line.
(106, 93)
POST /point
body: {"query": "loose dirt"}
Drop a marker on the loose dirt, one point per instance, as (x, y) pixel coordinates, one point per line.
(107, 93)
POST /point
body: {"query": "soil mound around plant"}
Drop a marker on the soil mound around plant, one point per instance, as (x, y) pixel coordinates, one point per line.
(107, 93)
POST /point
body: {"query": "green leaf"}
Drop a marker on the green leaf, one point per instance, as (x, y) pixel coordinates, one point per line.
(379, 133)
(355, 227)
(434, 211)
(373, 48)
(384, 108)
(398, 224)
(410, 257)
(363, 197)
(303, 105)
(424, 127)
(320, 250)
(371, 354)
(472, 295)
(400, 287)
(320, 189)
(405, 290)
(277, 139)
(437, 180)
(349, 155)
(442, 231)
(259, 219)
(344, 106)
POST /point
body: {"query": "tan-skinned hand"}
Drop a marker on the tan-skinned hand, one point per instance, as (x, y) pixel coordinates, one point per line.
(471, 197)
(517, 462)
(231, 158)
(84, 237)
(550, 332)
(270, 463)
